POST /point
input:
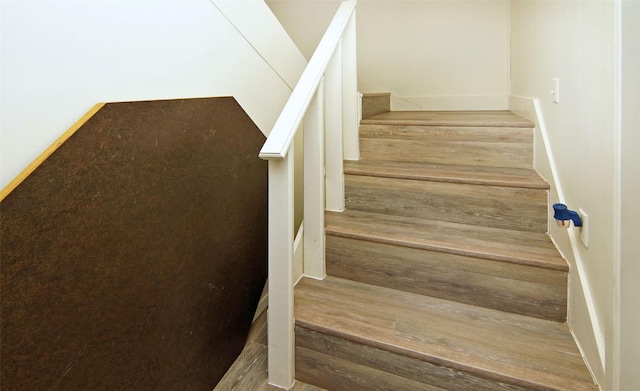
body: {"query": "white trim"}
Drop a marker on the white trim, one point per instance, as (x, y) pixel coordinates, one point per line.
(530, 109)
(319, 93)
(314, 187)
(281, 339)
(284, 130)
(298, 255)
(350, 97)
(334, 148)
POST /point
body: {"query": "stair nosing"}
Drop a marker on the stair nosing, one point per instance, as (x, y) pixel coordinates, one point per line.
(359, 168)
(433, 357)
(450, 248)
(409, 122)
(438, 118)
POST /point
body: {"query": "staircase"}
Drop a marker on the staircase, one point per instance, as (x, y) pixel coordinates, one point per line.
(440, 273)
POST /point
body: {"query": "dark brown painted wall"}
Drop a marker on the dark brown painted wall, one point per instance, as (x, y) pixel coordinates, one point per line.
(133, 257)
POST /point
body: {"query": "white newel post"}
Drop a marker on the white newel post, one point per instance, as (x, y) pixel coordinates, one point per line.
(314, 196)
(325, 105)
(280, 315)
(334, 154)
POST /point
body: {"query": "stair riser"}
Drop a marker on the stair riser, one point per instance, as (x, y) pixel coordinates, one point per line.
(509, 287)
(492, 206)
(374, 104)
(338, 364)
(496, 147)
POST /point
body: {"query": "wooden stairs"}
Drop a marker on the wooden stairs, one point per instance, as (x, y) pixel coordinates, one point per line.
(440, 273)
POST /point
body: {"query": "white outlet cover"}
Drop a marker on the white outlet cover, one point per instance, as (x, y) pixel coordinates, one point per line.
(555, 90)
(584, 230)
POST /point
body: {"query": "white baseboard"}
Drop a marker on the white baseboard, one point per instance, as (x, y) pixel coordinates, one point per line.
(582, 319)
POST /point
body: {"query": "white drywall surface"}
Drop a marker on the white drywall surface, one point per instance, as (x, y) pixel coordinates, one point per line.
(575, 43)
(430, 55)
(59, 58)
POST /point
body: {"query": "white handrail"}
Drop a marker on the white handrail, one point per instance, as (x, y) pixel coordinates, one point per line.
(279, 141)
(324, 103)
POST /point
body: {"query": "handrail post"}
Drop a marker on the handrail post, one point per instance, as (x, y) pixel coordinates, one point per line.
(350, 98)
(314, 196)
(334, 151)
(280, 315)
(318, 104)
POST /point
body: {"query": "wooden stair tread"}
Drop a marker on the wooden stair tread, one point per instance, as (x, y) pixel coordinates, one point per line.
(527, 248)
(454, 173)
(451, 118)
(509, 348)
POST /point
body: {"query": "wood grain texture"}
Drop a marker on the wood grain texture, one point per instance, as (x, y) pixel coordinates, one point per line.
(508, 348)
(374, 104)
(336, 374)
(491, 206)
(249, 372)
(503, 286)
(428, 133)
(316, 346)
(527, 248)
(441, 152)
(477, 175)
(441, 274)
(484, 146)
(502, 118)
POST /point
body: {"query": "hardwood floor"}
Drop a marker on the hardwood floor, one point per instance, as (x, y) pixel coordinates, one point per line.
(508, 287)
(441, 275)
(500, 118)
(491, 206)
(459, 342)
(249, 371)
(535, 249)
(477, 175)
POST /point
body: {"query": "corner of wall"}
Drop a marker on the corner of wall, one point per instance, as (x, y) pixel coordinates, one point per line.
(263, 31)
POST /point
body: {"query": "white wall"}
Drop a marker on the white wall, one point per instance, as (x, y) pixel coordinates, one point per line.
(575, 42)
(305, 21)
(59, 58)
(454, 54)
(255, 21)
